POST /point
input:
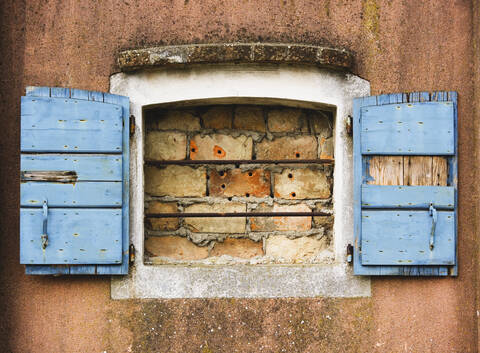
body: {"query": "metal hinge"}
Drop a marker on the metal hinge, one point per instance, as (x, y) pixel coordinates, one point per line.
(349, 125)
(131, 254)
(349, 253)
(132, 125)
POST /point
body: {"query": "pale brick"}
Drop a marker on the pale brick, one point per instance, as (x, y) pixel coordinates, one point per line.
(249, 118)
(178, 119)
(218, 117)
(325, 148)
(216, 224)
(219, 146)
(175, 180)
(301, 184)
(287, 120)
(295, 250)
(268, 224)
(241, 248)
(162, 223)
(321, 124)
(161, 145)
(301, 147)
(236, 182)
(175, 247)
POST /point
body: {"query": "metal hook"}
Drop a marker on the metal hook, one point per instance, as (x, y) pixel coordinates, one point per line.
(433, 213)
(44, 236)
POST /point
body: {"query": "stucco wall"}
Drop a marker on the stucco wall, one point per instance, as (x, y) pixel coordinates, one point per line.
(399, 45)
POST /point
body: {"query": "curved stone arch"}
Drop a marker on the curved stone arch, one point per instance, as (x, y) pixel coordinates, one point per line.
(294, 85)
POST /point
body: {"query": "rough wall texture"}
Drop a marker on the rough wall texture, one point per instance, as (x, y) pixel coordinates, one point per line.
(399, 45)
(268, 134)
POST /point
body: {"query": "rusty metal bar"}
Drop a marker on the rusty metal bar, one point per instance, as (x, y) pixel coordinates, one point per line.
(243, 161)
(236, 214)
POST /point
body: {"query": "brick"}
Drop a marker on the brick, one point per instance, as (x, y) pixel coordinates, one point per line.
(175, 247)
(219, 146)
(301, 147)
(286, 120)
(241, 248)
(218, 117)
(161, 145)
(323, 221)
(301, 184)
(249, 117)
(216, 224)
(325, 148)
(175, 180)
(270, 224)
(236, 182)
(162, 223)
(178, 119)
(295, 250)
(320, 124)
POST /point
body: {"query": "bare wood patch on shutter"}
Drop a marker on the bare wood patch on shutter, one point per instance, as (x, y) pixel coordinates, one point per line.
(386, 170)
(408, 170)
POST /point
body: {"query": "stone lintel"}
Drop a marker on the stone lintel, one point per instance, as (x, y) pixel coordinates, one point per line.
(274, 53)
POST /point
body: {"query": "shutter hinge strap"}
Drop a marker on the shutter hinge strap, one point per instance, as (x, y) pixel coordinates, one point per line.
(349, 253)
(433, 213)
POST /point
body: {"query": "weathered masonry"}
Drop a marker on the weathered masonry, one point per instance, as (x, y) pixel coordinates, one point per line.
(245, 139)
(269, 136)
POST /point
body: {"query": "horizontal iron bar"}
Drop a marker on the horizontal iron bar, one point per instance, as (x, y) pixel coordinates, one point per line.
(236, 214)
(243, 161)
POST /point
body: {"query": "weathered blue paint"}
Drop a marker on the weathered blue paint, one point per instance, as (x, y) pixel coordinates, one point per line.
(376, 200)
(408, 129)
(402, 238)
(75, 236)
(390, 196)
(81, 194)
(88, 167)
(70, 125)
(111, 165)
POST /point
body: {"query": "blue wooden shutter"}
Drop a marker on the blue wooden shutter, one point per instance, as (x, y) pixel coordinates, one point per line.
(74, 191)
(403, 229)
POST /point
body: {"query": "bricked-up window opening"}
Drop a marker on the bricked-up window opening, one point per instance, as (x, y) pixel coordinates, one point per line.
(188, 170)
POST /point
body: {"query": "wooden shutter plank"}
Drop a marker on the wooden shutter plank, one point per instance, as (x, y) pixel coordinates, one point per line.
(75, 236)
(87, 167)
(381, 196)
(62, 125)
(417, 170)
(403, 129)
(82, 194)
(407, 240)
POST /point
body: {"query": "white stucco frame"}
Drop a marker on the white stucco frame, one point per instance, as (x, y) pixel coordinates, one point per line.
(303, 86)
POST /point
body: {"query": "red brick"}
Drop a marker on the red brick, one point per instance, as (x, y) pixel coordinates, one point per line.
(241, 248)
(162, 223)
(301, 147)
(236, 182)
(175, 247)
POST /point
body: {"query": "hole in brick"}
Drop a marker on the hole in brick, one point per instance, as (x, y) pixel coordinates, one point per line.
(219, 152)
(229, 199)
(290, 175)
(297, 155)
(222, 173)
(237, 165)
(250, 173)
(223, 186)
(193, 150)
(293, 194)
(247, 194)
(208, 177)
